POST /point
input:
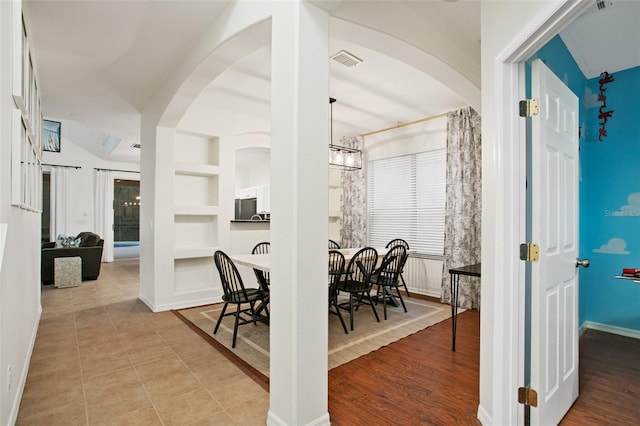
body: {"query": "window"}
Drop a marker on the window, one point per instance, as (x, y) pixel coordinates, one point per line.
(406, 199)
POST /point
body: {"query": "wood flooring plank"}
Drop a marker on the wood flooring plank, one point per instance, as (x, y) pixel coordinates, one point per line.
(416, 380)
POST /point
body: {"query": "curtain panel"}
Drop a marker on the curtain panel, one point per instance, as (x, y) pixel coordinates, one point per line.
(463, 204)
(60, 200)
(104, 211)
(353, 232)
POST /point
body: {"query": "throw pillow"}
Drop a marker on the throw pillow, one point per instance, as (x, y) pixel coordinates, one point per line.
(88, 239)
(64, 241)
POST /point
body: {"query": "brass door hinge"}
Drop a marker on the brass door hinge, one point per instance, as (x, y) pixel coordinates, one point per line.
(529, 107)
(529, 252)
(528, 396)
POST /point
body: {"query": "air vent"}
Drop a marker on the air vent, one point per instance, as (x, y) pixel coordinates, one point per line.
(347, 59)
(601, 4)
(135, 145)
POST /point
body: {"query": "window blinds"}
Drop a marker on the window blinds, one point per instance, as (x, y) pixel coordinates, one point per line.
(406, 199)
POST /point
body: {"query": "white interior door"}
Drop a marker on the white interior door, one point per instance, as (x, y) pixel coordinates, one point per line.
(554, 227)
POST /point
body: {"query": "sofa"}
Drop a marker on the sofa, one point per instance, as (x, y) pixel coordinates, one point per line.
(89, 250)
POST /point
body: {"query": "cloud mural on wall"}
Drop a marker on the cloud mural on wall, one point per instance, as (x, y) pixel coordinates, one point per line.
(633, 208)
(630, 209)
(614, 246)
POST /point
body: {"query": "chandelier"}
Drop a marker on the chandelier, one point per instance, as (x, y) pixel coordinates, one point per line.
(340, 156)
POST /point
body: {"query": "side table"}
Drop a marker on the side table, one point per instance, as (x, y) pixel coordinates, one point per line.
(67, 271)
(454, 273)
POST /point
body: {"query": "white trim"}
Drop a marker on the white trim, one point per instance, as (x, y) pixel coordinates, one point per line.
(508, 331)
(273, 420)
(620, 331)
(183, 304)
(15, 406)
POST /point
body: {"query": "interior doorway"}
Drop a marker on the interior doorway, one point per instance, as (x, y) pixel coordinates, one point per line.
(126, 219)
(45, 225)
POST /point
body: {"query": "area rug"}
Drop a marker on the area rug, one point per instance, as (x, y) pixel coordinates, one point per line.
(252, 344)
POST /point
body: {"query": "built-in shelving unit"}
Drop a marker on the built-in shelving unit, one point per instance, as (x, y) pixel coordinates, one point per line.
(195, 208)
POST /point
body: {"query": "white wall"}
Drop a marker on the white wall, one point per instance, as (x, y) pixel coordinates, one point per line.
(20, 265)
(77, 148)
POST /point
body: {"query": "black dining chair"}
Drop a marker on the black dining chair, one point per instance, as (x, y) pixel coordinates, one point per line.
(237, 294)
(333, 245)
(262, 276)
(264, 280)
(336, 268)
(403, 243)
(386, 277)
(357, 281)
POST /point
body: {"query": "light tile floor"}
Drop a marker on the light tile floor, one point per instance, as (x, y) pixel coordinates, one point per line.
(101, 357)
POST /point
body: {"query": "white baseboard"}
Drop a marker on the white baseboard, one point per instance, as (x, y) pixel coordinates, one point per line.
(484, 417)
(610, 329)
(182, 304)
(273, 420)
(15, 406)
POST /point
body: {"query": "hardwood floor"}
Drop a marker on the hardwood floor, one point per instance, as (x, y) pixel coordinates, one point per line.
(609, 381)
(417, 380)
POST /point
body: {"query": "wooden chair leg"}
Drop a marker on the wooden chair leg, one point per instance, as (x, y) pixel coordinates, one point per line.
(384, 302)
(351, 309)
(215, 330)
(235, 327)
(344, 326)
(405, 285)
(401, 299)
(373, 307)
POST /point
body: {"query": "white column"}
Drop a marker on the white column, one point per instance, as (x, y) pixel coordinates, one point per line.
(156, 215)
(299, 215)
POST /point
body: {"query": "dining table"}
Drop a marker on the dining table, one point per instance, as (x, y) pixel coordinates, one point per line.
(262, 261)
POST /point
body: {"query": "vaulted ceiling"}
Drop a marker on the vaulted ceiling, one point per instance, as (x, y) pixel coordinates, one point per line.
(100, 62)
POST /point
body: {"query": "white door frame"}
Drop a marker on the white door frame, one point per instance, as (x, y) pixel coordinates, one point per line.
(509, 326)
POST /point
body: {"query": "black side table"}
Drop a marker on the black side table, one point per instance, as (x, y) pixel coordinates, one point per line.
(455, 273)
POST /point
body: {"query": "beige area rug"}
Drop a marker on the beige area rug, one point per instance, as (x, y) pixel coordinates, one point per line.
(252, 344)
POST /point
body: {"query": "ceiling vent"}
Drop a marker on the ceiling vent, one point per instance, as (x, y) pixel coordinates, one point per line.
(135, 145)
(601, 4)
(347, 59)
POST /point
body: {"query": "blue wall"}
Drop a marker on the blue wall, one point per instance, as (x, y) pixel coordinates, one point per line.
(609, 190)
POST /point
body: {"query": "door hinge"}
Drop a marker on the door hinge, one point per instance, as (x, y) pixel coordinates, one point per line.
(528, 396)
(529, 107)
(529, 252)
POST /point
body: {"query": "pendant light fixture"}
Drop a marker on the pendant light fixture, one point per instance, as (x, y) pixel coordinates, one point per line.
(341, 156)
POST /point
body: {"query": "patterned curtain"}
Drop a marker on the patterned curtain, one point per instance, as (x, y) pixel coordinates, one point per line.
(354, 200)
(463, 204)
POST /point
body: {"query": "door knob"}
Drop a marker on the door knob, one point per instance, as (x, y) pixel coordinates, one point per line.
(584, 263)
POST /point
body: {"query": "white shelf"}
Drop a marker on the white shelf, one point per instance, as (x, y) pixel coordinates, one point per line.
(195, 210)
(193, 169)
(193, 253)
(634, 279)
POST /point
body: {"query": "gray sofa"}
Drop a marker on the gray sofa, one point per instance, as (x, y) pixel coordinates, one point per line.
(90, 251)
